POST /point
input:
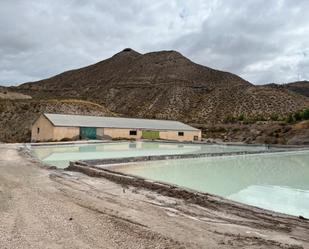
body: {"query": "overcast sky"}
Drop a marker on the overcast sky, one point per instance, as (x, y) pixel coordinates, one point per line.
(260, 40)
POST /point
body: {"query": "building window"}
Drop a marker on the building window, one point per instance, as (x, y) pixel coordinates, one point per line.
(180, 134)
(133, 133)
(195, 138)
(38, 130)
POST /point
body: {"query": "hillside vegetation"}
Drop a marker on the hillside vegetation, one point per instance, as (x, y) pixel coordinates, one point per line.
(300, 87)
(7, 94)
(167, 85)
(162, 85)
(17, 116)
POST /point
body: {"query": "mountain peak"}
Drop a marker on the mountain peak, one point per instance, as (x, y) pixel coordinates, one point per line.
(166, 84)
(128, 52)
(166, 53)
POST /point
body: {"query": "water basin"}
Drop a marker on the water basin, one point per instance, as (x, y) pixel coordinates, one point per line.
(61, 155)
(274, 181)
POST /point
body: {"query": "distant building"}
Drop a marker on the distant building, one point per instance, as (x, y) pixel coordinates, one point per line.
(56, 127)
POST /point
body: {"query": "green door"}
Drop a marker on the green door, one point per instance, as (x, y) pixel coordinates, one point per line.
(150, 134)
(88, 133)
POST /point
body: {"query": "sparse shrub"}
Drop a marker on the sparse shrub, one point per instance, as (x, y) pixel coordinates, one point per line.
(260, 118)
(298, 116)
(305, 114)
(216, 129)
(25, 107)
(229, 119)
(241, 117)
(274, 117)
(290, 119)
(249, 121)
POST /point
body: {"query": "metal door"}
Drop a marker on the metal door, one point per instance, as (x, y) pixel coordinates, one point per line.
(88, 133)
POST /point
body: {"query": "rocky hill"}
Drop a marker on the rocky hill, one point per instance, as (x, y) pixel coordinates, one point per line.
(5, 93)
(167, 85)
(17, 116)
(163, 85)
(300, 87)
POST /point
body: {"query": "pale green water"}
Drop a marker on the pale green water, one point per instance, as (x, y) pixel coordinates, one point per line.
(276, 181)
(60, 156)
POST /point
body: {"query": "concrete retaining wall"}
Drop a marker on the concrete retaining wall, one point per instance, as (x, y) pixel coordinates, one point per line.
(168, 157)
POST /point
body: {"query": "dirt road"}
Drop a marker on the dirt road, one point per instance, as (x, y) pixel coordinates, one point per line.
(42, 208)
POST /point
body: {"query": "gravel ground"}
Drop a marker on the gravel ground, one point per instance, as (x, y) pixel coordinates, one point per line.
(42, 208)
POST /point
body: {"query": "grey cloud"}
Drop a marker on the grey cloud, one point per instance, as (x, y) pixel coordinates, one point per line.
(262, 41)
(250, 38)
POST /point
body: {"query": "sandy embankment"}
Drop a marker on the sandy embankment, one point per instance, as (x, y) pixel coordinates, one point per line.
(42, 208)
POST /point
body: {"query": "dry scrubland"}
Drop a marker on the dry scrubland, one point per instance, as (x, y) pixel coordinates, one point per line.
(164, 85)
(168, 85)
(271, 132)
(17, 116)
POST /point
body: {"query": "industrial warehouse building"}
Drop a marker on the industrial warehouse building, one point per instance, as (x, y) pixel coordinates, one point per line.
(57, 127)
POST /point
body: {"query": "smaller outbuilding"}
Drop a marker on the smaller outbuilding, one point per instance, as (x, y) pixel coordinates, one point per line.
(57, 127)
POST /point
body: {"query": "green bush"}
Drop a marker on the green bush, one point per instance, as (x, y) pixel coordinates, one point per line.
(305, 114)
(274, 117)
(298, 116)
(241, 117)
(230, 119)
(290, 119)
(260, 117)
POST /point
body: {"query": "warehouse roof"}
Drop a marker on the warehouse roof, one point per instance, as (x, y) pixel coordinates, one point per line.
(114, 122)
